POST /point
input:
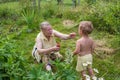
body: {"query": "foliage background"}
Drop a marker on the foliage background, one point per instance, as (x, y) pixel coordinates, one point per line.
(19, 22)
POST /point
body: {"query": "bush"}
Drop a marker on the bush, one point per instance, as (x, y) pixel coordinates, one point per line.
(90, 1)
(3, 1)
(72, 15)
(48, 11)
(28, 16)
(13, 64)
(7, 15)
(106, 17)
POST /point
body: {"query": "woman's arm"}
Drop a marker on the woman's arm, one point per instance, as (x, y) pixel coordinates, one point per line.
(64, 36)
(45, 51)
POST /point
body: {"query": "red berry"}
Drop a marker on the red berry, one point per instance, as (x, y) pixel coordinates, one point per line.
(73, 34)
(58, 45)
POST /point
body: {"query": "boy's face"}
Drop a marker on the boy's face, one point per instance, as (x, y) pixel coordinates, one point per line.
(79, 31)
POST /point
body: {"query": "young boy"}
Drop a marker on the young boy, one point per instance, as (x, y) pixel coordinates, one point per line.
(84, 50)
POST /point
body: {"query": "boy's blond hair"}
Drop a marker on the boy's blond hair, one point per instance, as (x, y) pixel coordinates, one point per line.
(86, 27)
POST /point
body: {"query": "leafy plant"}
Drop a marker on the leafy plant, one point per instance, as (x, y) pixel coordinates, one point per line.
(13, 63)
(38, 73)
(29, 15)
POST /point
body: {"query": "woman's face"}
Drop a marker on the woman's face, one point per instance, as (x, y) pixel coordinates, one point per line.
(48, 30)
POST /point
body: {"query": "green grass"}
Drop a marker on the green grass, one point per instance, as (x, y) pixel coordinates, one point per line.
(10, 5)
(108, 65)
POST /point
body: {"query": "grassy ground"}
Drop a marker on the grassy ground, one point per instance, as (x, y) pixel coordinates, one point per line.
(107, 63)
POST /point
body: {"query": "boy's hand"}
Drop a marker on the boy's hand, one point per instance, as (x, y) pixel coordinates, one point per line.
(72, 35)
(73, 54)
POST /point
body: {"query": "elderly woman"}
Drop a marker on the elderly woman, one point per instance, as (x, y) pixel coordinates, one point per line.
(45, 48)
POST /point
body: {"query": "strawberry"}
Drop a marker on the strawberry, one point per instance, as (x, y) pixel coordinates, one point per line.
(58, 45)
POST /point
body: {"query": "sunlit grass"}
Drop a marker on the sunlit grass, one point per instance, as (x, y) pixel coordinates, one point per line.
(10, 5)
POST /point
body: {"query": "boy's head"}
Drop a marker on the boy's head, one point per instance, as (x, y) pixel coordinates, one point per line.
(86, 27)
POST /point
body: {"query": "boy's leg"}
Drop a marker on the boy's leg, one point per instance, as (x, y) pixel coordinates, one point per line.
(91, 73)
(83, 73)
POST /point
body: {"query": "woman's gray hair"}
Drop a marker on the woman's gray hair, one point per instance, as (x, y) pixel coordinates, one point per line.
(44, 24)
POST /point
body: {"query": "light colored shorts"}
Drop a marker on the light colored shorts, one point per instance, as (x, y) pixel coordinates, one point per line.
(84, 62)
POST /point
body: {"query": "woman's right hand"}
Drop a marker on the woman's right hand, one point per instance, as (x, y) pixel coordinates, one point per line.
(55, 48)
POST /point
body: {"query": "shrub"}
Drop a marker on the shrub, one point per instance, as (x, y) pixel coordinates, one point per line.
(13, 64)
(48, 11)
(3, 1)
(107, 16)
(7, 15)
(90, 1)
(72, 15)
(28, 16)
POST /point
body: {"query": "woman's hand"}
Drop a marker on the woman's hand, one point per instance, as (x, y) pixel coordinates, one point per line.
(58, 45)
(72, 35)
(55, 49)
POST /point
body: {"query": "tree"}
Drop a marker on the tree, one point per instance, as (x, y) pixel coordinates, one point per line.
(59, 2)
(74, 3)
(34, 3)
(39, 5)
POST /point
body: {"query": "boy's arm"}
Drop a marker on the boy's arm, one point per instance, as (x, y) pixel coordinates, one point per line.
(93, 47)
(64, 36)
(77, 49)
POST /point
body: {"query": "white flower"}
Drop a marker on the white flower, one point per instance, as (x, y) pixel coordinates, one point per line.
(95, 70)
(87, 77)
(89, 62)
(101, 78)
(94, 78)
(85, 64)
